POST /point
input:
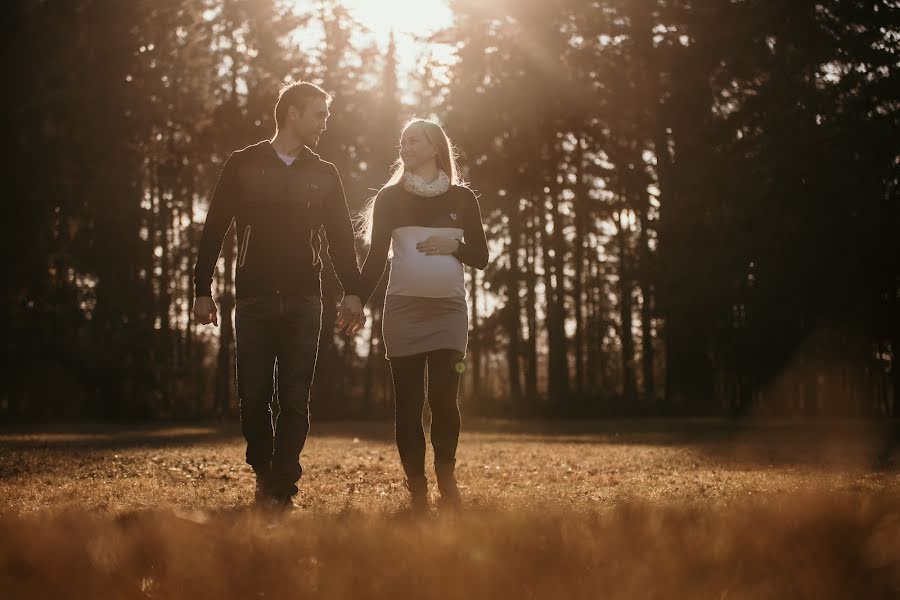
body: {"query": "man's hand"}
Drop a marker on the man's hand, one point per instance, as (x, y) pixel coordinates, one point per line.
(351, 317)
(205, 311)
(437, 246)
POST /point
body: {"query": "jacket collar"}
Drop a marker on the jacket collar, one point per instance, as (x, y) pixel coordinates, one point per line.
(305, 153)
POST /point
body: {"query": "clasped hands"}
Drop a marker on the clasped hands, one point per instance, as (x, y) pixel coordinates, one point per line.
(350, 317)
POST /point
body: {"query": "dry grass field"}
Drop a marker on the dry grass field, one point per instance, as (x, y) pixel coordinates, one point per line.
(608, 509)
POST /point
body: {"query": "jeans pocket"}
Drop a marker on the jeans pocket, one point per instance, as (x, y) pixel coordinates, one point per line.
(252, 305)
(309, 308)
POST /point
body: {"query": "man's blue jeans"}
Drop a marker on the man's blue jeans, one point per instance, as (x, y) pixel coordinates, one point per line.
(277, 342)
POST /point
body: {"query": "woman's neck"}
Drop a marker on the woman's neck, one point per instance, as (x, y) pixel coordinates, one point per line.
(428, 172)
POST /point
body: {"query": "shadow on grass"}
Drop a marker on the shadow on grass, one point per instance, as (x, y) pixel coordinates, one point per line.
(115, 437)
(860, 443)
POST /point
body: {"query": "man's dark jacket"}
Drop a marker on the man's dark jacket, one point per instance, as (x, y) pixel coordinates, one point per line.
(278, 211)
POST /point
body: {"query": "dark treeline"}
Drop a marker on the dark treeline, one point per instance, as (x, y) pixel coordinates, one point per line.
(692, 206)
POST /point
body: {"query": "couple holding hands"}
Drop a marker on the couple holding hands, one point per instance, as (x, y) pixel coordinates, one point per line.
(280, 194)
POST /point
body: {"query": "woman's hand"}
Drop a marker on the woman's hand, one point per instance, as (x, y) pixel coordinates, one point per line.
(351, 316)
(438, 246)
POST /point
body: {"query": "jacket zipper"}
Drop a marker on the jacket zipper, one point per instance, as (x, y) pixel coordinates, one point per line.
(242, 255)
(312, 247)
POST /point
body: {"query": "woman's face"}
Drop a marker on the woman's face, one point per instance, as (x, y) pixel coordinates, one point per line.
(415, 149)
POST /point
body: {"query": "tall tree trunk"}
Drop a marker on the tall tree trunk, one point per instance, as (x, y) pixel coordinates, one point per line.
(893, 392)
(557, 369)
(645, 282)
(663, 170)
(193, 240)
(629, 387)
(647, 81)
(559, 354)
(513, 310)
(535, 184)
(581, 205)
(531, 281)
(647, 352)
(164, 364)
(597, 358)
(601, 365)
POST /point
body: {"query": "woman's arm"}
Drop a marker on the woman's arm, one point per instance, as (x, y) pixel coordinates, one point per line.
(376, 259)
(472, 250)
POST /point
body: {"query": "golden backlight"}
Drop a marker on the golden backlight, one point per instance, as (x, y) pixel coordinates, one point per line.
(405, 18)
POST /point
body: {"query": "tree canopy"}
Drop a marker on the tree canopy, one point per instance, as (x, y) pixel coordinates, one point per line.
(692, 208)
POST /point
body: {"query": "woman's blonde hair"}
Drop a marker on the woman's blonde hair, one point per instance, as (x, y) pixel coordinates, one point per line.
(445, 160)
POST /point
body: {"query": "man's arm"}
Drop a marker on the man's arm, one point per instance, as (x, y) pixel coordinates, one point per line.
(218, 220)
(339, 232)
(342, 252)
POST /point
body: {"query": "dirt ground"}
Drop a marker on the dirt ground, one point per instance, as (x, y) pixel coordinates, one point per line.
(620, 509)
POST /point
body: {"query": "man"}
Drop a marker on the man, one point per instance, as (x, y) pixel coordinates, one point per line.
(280, 193)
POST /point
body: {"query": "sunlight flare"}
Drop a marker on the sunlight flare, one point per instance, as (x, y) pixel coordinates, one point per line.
(402, 17)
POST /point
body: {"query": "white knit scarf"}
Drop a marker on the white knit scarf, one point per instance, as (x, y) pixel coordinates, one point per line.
(418, 186)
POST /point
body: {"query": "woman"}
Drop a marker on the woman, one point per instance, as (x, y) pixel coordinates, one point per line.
(432, 222)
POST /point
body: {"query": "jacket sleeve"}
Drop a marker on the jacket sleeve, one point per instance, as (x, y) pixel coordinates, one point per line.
(339, 232)
(376, 260)
(218, 220)
(472, 249)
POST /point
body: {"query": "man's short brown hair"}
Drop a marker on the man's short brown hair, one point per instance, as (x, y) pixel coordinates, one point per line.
(297, 94)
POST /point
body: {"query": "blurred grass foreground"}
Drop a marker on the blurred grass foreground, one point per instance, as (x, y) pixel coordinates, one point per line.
(791, 548)
(604, 509)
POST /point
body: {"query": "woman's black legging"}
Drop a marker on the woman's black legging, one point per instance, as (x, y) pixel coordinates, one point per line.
(408, 373)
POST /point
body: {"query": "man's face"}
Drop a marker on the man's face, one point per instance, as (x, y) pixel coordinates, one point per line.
(309, 123)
